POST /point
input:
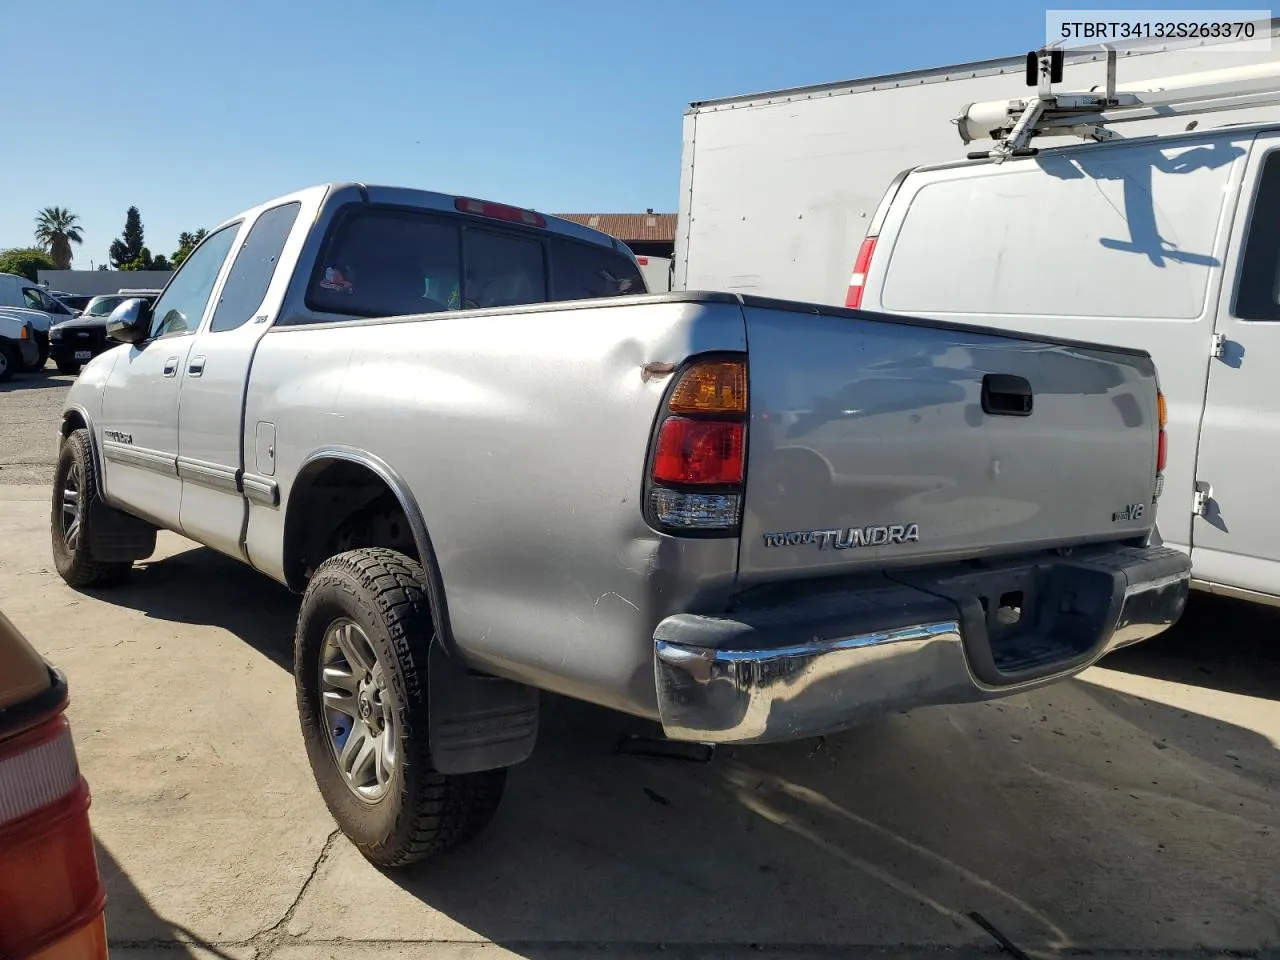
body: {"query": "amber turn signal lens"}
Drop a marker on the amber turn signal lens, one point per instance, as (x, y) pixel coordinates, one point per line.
(718, 387)
(1162, 408)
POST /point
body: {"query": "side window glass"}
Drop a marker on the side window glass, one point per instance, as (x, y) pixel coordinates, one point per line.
(1258, 294)
(31, 296)
(580, 271)
(254, 267)
(502, 270)
(387, 263)
(182, 304)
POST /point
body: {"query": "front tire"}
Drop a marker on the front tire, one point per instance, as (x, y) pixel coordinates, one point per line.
(77, 505)
(360, 670)
(42, 354)
(10, 362)
(68, 366)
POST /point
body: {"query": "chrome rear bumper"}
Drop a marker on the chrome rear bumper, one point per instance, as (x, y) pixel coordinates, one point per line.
(720, 679)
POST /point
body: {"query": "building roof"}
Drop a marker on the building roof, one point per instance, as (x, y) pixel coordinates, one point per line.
(627, 227)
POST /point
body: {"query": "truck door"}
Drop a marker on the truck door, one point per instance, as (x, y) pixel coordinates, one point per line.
(139, 421)
(211, 461)
(1236, 535)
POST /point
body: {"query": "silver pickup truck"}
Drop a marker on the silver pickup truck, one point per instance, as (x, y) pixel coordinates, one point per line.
(493, 465)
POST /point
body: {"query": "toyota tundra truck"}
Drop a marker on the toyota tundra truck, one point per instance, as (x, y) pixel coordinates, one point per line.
(492, 465)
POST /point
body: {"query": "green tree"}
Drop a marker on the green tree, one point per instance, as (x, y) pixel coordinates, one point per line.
(129, 249)
(57, 228)
(25, 261)
(186, 243)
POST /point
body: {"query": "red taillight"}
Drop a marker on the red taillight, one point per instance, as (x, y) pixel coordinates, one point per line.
(499, 211)
(701, 442)
(860, 267)
(1162, 452)
(643, 261)
(699, 452)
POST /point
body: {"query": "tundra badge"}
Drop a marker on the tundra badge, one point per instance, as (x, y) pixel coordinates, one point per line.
(872, 536)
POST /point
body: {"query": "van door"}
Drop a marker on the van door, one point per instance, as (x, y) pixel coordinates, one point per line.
(211, 459)
(1236, 539)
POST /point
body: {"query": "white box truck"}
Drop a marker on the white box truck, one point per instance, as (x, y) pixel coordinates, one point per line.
(777, 189)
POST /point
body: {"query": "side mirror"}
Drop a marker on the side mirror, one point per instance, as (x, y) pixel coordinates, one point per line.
(129, 321)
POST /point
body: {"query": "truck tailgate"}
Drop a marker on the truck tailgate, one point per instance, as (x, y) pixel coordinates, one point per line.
(877, 442)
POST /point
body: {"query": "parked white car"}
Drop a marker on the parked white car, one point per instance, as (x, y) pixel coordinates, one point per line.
(19, 296)
(18, 350)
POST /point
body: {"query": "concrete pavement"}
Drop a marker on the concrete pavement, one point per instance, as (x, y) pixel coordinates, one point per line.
(1134, 809)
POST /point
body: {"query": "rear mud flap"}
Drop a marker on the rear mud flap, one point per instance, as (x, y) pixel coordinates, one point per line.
(478, 722)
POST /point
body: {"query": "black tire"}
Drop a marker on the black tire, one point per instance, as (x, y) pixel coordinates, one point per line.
(422, 812)
(43, 357)
(72, 557)
(68, 366)
(10, 361)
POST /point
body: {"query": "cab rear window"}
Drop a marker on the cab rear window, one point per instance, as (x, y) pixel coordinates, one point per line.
(382, 261)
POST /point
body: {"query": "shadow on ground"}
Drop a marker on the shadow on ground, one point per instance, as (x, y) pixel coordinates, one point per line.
(1073, 817)
(124, 898)
(1219, 643)
(45, 379)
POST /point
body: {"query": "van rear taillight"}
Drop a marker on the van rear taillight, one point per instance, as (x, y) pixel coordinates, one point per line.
(499, 211)
(853, 298)
(1162, 445)
(698, 462)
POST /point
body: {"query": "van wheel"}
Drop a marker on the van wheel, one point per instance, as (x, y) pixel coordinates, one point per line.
(76, 507)
(360, 671)
(10, 361)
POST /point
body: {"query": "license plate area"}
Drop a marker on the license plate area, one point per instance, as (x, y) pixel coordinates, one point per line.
(84, 354)
(1022, 622)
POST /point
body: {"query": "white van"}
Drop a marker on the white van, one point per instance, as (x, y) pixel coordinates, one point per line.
(1169, 243)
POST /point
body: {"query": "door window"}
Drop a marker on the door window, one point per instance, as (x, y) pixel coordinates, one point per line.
(254, 267)
(182, 304)
(1258, 292)
(37, 299)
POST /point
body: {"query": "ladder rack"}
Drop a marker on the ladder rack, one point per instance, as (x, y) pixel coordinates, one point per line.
(1012, 124)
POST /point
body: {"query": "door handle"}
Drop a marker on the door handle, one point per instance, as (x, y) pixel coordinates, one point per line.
(196, 367)
(171, 366)
(1006, 395)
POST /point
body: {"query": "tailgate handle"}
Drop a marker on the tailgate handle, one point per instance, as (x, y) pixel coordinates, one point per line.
(1006, 395)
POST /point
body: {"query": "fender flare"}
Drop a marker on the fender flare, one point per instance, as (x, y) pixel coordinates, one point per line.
(94, 446)
(399, 488)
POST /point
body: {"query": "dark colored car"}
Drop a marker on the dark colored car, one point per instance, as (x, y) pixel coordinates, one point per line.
(72, 343)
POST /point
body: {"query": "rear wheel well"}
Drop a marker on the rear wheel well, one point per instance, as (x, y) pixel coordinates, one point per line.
(338, 505)
(72, 420)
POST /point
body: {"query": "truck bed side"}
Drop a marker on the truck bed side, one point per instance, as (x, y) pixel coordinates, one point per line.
(522, 435)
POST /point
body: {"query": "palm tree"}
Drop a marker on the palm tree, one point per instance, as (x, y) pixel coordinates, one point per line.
(57, 228)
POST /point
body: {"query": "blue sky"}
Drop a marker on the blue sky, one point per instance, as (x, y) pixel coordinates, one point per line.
(195, 111)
